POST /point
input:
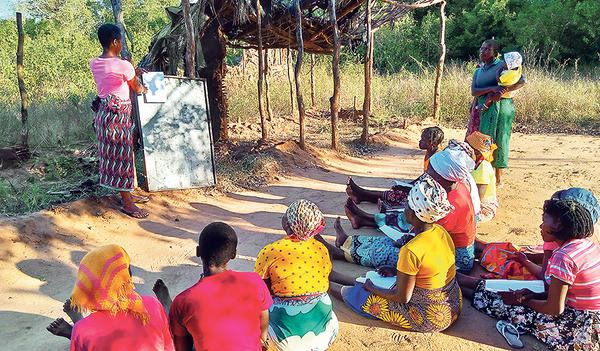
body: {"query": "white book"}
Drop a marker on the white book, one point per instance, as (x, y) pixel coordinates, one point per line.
(499, 285)
(393, 233)
(378, 280)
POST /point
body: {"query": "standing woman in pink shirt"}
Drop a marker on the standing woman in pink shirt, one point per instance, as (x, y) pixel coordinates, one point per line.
(112, 123)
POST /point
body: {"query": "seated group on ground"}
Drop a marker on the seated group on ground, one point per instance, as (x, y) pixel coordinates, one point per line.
(285, 304)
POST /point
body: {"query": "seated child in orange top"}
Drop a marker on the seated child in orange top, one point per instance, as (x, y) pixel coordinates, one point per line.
(431, 139)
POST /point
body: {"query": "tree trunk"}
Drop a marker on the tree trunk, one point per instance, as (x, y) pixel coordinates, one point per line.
(312, 81)
(190, 52)
(364, 138)
(267, 90)
(335, 65)
(22, 90)
(289, 72)
(118, 13)
(297, 71)
(261, 75)
(440, 70)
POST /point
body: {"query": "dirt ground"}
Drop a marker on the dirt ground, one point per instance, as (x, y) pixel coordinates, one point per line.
(40, 253)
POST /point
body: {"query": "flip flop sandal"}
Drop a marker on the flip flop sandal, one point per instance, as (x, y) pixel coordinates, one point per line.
(510, 334)
(136, 214)
(140, 199)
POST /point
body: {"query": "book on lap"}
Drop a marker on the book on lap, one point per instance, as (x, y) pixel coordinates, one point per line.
(500, 285)
(378, 280)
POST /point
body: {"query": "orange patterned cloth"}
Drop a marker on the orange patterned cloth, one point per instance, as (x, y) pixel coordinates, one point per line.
(496, 259)
(104, 284)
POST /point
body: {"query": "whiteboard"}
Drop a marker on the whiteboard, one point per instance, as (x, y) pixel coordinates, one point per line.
(176, 137)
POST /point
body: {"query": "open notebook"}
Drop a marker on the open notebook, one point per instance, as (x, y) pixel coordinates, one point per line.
(382, 282)
(497, 285)
(394, 233)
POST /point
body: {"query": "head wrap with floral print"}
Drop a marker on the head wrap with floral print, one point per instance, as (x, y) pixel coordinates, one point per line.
(305, 219)
(428, 200)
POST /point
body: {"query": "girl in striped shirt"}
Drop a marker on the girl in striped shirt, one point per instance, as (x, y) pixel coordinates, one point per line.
(567, 315)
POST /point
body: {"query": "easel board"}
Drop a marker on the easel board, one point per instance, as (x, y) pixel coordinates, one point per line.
(176, 137)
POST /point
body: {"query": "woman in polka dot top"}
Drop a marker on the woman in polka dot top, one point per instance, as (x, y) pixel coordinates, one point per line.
(296, 270)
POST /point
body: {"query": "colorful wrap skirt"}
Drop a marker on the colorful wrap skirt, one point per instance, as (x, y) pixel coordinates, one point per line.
(572, 330)
(114, 127)
(377, 251)
(496, 121)
(489, 209)
(302, 323)
(427, 311)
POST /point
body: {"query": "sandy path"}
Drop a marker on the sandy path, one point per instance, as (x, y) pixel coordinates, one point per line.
(40, 253)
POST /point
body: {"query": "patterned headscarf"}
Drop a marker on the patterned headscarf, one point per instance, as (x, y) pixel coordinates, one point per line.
(513, 59)
(305, 219)
(429, 200)
(104, 284)
(482, 143)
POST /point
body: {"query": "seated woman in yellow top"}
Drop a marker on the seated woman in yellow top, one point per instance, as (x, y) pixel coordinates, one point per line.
(296, 270)
(426, 297)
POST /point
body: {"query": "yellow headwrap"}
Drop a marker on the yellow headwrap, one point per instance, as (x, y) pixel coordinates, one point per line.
(482, 143)
(104, 284)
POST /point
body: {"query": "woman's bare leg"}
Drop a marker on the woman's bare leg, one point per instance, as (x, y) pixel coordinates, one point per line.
(358, 217)
(341, 278)
(335, 290)
(467, 284)
(334, 252)
(358, 194)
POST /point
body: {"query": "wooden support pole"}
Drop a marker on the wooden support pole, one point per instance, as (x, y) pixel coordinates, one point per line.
(267, 87)
(335, 65)
(364, 138)
(289, 73)
(261, 76)
(22, 90)
(119, 22)
(440, 70)
(312, 81)
(298, 72)
(190, 51)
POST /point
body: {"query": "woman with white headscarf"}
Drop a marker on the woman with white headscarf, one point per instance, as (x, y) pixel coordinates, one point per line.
(448, 168)
(426, 297)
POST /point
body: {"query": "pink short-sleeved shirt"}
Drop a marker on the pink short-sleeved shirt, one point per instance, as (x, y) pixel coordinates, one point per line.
(577, 263)
(222, 311)
(101, 331)
(111, 75)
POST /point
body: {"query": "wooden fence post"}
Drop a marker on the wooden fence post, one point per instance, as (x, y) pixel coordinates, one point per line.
(440, 70)
(190, 52)
(335, 65)
(312, 81)
(364, 138)
(297, 72)
(22, 90)
(261, 75)
(267, 88)
(289, 64)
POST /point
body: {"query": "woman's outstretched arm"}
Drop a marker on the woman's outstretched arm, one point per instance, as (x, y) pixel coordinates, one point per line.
(405, 284)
